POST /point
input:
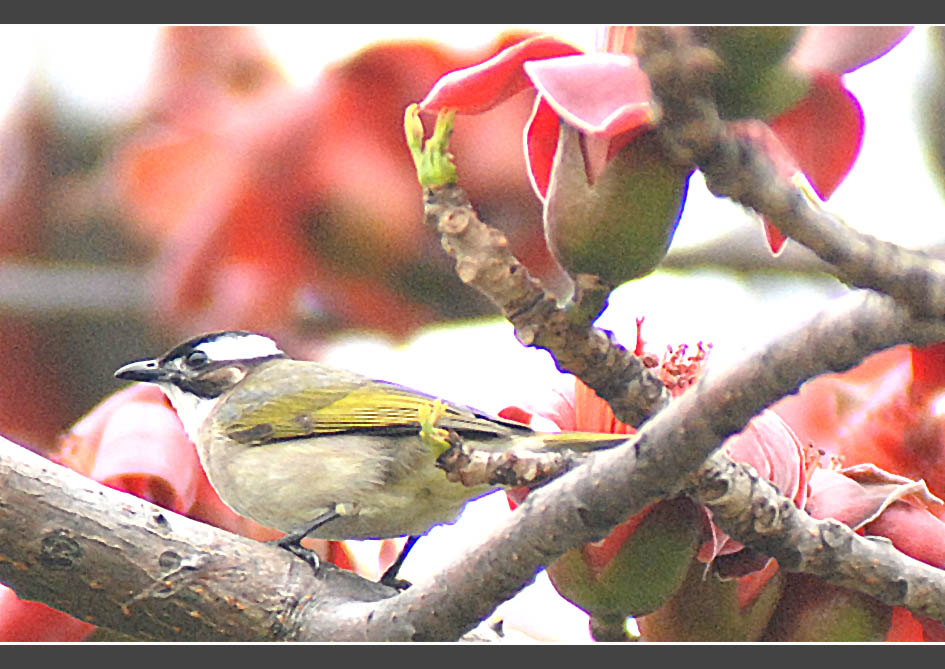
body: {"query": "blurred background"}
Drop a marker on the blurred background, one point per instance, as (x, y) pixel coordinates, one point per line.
(160, 181)
(157, 182)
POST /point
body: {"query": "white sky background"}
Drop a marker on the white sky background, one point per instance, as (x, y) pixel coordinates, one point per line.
(103, 70)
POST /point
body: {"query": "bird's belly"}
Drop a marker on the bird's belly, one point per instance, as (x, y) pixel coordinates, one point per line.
(382, 487)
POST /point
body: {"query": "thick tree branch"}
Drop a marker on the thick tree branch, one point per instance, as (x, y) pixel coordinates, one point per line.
(680, 73)
(120, 562)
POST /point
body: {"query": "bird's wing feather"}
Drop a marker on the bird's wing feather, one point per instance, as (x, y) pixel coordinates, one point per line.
(349, 404)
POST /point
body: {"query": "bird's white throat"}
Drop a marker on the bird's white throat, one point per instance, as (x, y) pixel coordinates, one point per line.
(191, 409)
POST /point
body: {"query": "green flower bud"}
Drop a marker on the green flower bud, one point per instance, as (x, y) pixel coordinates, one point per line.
(646, 569)
(755, 80)
(620, 227)
(812, 610)
(706, 608)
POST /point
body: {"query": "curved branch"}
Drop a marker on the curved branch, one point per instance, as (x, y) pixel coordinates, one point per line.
(680, 72)
(484, 262)
(750, 508)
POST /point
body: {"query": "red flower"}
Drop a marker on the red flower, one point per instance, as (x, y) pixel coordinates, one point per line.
(596, 170)
(603, 94)
(824, 130)
(813, 123)
(881, 423)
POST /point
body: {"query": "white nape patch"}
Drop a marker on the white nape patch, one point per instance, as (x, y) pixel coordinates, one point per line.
(239, 347)
(191, 409)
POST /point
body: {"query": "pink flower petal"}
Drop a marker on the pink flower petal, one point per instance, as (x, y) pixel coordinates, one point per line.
(903, 488)
(718, 543)
(597, 153)
(903, 626)
(618, 39)
(932, 630)
(481, 87)
(774, 237)
(133, 441)
(914, 531)
(24, 621)
(928, 372)
(79, 447)
(785, 164)
(750, 585)
(859, 495)
(144, 450)
(842, 49)
(770, 446)
(599, 94)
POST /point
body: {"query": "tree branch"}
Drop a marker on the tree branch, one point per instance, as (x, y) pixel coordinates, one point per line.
(120, 562)
(749, 507)
(484, 262)
(693, 134)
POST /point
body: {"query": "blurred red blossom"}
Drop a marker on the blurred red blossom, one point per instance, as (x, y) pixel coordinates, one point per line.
(33, 407)
(821, 133)
(270, 205)
(25, 621)
(886, 412)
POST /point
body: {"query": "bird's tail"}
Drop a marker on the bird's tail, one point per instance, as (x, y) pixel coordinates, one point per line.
(579, 442)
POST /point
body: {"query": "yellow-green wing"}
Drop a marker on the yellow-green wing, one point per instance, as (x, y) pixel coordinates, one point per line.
(302, 400)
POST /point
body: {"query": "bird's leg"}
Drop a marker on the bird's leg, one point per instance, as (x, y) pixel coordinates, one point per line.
(390, 576)
(292, 541)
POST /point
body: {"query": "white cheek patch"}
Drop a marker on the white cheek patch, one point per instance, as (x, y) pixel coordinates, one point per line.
(242, 347)
(191, 410)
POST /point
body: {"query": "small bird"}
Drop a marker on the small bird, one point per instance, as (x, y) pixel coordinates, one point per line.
(316, 451)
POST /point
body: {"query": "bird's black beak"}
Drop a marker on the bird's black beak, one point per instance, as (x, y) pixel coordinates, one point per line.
(142, 370)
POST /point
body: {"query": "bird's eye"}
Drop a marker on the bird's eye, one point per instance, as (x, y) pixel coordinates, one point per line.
(196, 359)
